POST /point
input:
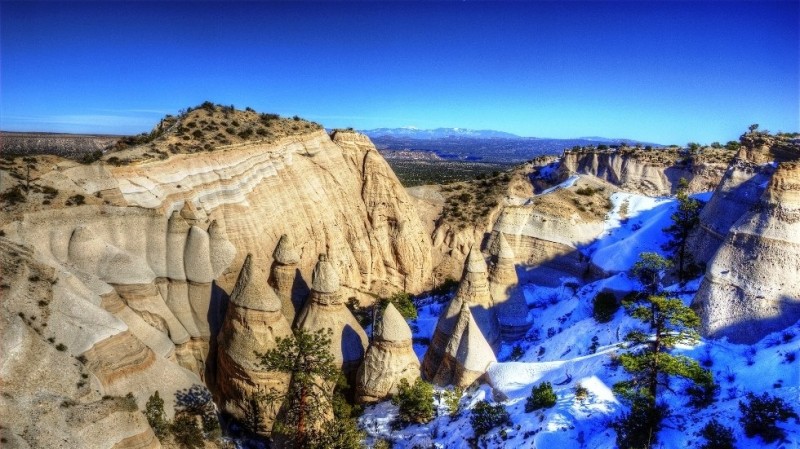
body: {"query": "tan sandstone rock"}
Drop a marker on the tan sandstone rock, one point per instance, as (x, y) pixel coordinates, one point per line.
(252, 324)
(389, 358)
(461, 358)
(512, 310)
(286, 279)
(325, 309)
(750, 288)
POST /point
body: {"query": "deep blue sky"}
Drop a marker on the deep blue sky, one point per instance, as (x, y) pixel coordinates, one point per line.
(668, 72)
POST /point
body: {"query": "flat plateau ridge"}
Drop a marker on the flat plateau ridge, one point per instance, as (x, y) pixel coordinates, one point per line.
(120, 272)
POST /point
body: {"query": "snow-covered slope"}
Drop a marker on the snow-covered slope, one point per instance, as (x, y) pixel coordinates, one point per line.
(567, 348)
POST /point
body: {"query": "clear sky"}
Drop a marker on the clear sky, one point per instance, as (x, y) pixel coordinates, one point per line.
(669, 72)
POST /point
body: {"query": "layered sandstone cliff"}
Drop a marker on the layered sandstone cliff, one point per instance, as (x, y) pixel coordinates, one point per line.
(143, 254)
(751, 288)
(649, 172)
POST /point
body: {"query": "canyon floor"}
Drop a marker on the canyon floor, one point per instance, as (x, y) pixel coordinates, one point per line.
(568, 348)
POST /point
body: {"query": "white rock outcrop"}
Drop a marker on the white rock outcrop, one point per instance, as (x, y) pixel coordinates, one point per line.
(751, 285)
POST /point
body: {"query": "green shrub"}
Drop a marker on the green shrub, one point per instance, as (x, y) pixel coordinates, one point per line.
(88, 158)
(403, 302)
(517, 353)
(581, 392)
(415, 402)
(542, 396)
(156, 417)
(129, 403)
(717, 436)
(452, 399)
(186, 431)
(604, 305)
(761, 414)
(639, 428)
(486, 417)
(61, 347)
(13, 195)
(76, 200)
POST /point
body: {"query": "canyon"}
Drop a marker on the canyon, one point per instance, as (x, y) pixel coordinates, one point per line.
(173, 268)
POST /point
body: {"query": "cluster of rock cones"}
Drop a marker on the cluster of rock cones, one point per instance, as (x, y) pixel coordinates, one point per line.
(264, 306)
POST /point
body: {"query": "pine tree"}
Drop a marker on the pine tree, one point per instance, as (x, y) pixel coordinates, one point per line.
(651, 365)
(684, 221)
(156, 417)
(649, 269)
(307, 403)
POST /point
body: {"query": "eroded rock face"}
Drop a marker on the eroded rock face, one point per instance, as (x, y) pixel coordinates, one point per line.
(474, 291)
(512, 310)
(750, 287)
(50, 398)
(389, 358)
(325, 309)
(450, 359)
(286, 279)
(644, 175)
(252, 324)
(459, 354)
(139, 267)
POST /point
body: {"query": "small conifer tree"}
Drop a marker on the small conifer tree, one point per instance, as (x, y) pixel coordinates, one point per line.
(542, 396)
(415, 402)
(684, 221)
(307, 403)
(156, 417)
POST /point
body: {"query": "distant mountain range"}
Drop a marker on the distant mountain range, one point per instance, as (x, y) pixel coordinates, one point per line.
(439, 133)
(481, 145)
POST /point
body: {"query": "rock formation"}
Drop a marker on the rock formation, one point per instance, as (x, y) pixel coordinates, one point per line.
(468, 318)
(750, 288)
(459, 354)
(390, 357)
(286, 279)
(654, 173)
(325, 309)
(546, 232)
(474, 291)
(739, 190)
(512, 310)
(252, 324)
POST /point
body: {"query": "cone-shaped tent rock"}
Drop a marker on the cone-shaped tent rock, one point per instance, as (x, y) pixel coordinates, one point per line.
(474, 291)
(286, 279)
(390, 358)
(252, 324)
(325, 309)
(512, 310)
(465, 356)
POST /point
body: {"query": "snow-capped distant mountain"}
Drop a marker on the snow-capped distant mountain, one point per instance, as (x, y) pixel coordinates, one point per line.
(479, 145)
(438, 133)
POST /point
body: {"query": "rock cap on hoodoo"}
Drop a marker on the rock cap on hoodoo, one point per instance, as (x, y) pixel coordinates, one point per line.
(474, 352)
(505, 251)
(177, 224)
(475, 261)
(286, 253)
(324, 278)
(393, 326)
(252, 291)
